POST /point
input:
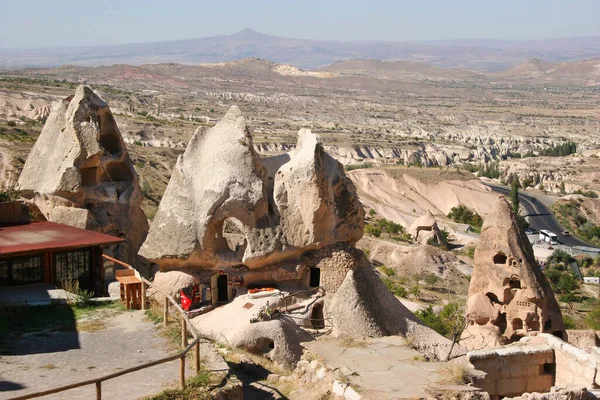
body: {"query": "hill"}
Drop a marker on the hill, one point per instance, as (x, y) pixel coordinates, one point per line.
(486, 55)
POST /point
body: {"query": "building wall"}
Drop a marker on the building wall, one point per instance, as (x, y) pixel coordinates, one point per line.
(334, 262)
(512, 371)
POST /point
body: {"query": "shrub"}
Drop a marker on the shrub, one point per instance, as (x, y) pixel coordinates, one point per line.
(387, 270)
(586, 193)
(432, 320)
(372, 230)
(569, 322)
(352, 167)
(593, 319)
(463, 215)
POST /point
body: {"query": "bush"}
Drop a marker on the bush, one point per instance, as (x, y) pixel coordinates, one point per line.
(394, 287)
(586, 193)
(463, 215)
(432, 320)
(352, 167)
(569, 322)
(9, 194)
(593, 319)
(387, 270)
(372, 230)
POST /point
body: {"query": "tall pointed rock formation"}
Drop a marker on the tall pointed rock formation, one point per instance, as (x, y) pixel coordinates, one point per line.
(79, 173)
(509, 296)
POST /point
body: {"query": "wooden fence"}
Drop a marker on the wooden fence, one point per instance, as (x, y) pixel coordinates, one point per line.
(187, 347)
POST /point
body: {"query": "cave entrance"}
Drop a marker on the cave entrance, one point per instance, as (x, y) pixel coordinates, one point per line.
(514, 283)
(222, 289)
(262, 346)
(315, 277)
(317, 316)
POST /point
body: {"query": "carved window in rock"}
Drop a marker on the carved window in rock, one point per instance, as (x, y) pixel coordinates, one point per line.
(517, 323)
(500, 259)
(514, 282)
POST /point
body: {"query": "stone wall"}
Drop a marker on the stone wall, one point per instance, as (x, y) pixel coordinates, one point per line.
(334, 262)
(514, 370)
(574, 367)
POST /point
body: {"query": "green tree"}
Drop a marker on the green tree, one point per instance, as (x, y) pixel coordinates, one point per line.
(514, 195)
(431, 280)
(562, 187)
(567, 284)
(432, 320)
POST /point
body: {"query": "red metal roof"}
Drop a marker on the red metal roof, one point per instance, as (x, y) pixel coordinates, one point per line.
(41, 236)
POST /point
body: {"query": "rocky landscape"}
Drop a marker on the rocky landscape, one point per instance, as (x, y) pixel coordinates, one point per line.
(341, 182)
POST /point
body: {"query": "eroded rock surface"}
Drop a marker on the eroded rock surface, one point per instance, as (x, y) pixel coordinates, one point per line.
(79, 173)
(508, 290)
(298, 202)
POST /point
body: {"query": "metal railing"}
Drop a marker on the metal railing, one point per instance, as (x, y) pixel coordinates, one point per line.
(185, 324)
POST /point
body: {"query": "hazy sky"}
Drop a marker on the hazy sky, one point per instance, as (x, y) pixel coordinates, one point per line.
(35, 23)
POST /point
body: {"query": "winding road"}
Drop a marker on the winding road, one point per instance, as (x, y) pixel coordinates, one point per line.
(540, 216)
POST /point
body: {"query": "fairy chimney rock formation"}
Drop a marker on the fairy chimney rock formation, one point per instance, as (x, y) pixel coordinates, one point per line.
(509, 296)
(426, 227)
(219, 176)
(301, 202)
(79, 172)
(317, 202)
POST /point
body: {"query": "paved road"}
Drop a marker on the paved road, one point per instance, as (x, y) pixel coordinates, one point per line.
(540, 216)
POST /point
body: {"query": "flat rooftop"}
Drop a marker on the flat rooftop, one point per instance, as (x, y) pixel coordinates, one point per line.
(42, 236)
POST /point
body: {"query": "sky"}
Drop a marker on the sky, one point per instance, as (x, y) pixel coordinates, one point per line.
(35, 23)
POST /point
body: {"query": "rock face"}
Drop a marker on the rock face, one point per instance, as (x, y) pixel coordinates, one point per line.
(317, 202)
(508, 293)
(364, 307)
(79, 172)
(219, 176)
(299, 202)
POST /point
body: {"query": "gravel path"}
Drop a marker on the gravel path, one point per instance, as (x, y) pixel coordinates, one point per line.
(127, 340)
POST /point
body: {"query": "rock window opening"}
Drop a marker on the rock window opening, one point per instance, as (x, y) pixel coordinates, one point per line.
(89, 176)
(263, 346)
(558, 334)
(110, 143)
(548, 369)
(500, 259)
(501, 323)
(514, 283)
(493, 298)
(119, 172)
(517, 323)
(315, 277)
(233, 233)
(317, 317)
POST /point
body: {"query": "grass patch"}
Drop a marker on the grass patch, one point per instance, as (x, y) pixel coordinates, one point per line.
(197, 387)
(17, 320)
(173, 330)
(453, 374)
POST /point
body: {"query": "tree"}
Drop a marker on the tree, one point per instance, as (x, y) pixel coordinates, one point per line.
(432, 320)
(567, 284)
(431, 280)
(562, 187)
(514, 195)
(415, 290)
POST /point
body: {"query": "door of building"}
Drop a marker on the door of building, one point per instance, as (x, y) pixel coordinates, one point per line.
(222, 288)
(315, 277)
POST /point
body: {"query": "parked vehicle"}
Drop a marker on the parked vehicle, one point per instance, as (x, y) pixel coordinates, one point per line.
(548, 237)
(566, 233)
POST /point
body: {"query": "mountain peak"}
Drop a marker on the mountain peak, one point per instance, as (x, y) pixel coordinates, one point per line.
(247, 32)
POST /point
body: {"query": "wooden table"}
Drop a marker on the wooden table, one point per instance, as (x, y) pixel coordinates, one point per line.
(131, 291)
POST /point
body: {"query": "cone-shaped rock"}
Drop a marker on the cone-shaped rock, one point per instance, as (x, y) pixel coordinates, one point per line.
(219, 176)
(509, 296)
(316, 201)
(79, 172)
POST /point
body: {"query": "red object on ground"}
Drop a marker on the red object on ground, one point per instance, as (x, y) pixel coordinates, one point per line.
(46, 235)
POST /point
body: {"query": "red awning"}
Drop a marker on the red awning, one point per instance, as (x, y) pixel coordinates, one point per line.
(43, 236)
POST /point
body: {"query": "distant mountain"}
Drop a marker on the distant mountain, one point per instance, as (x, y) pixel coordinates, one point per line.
(484, 55)
(586, 72)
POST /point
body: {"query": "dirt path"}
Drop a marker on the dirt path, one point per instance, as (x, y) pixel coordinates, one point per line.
(125, 339)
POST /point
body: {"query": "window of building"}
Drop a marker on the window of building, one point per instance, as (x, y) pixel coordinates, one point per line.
(21, 270)
(72, 266)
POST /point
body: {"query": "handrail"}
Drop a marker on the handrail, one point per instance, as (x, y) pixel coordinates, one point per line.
(186, 324)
